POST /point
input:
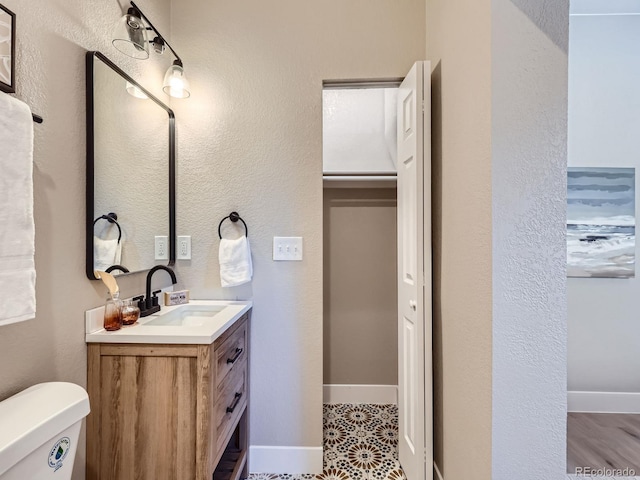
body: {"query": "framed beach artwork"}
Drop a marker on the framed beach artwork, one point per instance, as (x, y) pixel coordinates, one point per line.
(601, 226)
(7, 50)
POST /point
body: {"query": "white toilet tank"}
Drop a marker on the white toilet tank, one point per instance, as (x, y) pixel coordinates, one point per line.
(39, 429)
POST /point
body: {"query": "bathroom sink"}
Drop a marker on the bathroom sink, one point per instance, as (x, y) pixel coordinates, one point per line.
(187, 316)
(197, 322)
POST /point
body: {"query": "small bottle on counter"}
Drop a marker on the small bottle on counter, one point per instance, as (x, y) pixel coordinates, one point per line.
(113, 313)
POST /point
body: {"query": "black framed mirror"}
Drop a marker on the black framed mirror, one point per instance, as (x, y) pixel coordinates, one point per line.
(130, 173)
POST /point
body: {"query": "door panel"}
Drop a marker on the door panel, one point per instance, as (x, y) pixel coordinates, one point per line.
(414, 262)
(409, 420)
(409, 238)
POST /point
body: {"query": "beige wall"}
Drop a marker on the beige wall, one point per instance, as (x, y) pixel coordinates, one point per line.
(52, 38)
(459, 47)
(360, 286)
(250, 138)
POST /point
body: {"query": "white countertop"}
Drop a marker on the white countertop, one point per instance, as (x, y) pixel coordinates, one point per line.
(139, 332)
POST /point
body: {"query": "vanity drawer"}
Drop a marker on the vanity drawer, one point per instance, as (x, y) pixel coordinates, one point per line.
(231, 400)
(231, 350)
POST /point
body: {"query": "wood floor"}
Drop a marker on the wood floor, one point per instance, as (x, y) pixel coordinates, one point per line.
(603, 441)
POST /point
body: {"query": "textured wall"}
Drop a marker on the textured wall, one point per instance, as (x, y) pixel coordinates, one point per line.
(250, 138)
(529, 142)
(604, 73)
(360, 286)
(52, 38)
(459, 47)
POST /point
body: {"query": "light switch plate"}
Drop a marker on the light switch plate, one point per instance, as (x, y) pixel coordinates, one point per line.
(162, 247)
(287, 248)
(184, 247)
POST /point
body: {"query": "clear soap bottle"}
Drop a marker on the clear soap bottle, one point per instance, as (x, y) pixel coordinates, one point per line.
(113, 313)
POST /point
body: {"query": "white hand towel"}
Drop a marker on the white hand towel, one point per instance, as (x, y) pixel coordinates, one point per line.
(236, 267)
(17, 229)
(106, 253)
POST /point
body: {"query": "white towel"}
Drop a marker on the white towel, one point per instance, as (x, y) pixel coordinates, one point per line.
(106, 253)
(17, 230)
(236, 267)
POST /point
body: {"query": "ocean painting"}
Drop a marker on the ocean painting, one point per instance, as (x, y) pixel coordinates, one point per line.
(601, 227)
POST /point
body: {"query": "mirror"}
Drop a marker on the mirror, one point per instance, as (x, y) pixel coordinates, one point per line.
(130, 173)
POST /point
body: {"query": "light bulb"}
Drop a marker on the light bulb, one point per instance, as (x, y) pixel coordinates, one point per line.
(175, 82)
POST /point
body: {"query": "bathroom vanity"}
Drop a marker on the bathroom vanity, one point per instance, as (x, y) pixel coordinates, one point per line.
(169, 397)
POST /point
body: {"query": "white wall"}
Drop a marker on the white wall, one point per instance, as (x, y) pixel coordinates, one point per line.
(604, 121)
(359, 130)
(250, 139)
(529, 150)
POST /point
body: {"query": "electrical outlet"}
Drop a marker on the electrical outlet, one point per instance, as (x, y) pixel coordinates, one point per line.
(162, 247)
(184, 247)
(287, 248)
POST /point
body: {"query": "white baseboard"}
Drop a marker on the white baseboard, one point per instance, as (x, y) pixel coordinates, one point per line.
(292, 460)
(603, 402)
(381, 394)
(436, 472)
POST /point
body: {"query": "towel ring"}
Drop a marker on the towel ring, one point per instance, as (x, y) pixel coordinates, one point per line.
(111, 218)
(234, 217)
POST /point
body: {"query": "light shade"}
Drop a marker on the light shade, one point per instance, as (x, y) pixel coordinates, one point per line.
(134, 91)
(175, 83)
(130, 36)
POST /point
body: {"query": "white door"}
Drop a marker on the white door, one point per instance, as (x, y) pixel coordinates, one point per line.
(415, 404)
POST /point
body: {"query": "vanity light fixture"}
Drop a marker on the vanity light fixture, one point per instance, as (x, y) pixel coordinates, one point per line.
(130, 38)
(130, 35)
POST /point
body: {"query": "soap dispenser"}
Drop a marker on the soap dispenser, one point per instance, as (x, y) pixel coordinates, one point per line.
(113, 307)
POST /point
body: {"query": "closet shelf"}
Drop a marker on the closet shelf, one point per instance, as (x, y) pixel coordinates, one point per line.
(359, 181)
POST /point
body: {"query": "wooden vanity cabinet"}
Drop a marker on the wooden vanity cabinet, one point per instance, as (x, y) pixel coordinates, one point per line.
(169, 412)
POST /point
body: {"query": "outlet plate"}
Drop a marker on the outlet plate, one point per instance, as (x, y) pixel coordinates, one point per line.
(162, 247)
(184, 247)
(287, 248)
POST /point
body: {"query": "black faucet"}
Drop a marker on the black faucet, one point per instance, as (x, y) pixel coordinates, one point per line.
(150, 305)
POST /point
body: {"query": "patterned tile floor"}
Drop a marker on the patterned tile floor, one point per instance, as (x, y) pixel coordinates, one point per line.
(360, 443)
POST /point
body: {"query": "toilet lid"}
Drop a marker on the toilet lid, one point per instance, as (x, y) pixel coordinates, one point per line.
(35, 415)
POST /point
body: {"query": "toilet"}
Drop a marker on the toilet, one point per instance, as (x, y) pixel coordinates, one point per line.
(39, 430)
